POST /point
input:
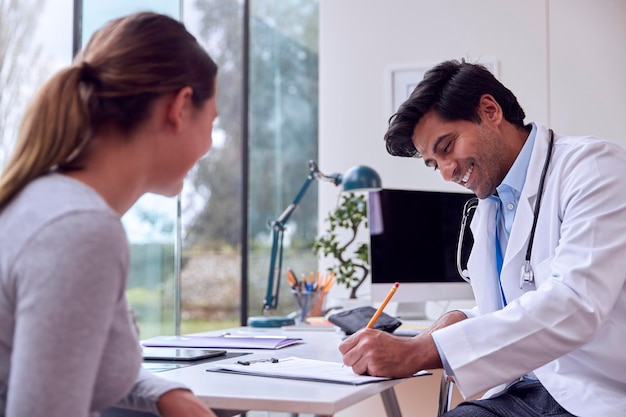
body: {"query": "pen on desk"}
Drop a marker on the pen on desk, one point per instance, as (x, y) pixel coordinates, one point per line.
(376, 315)
(247, 363)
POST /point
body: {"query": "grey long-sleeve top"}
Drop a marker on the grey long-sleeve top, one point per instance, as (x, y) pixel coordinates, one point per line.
(68, 346)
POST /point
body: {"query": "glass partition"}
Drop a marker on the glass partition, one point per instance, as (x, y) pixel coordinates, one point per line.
(282, 117)
(213, 194)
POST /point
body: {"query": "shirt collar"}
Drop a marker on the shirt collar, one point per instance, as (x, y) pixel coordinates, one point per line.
(516, 177)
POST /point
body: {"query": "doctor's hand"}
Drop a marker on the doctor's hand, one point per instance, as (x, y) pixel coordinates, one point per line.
(378, 353)
(181, 402)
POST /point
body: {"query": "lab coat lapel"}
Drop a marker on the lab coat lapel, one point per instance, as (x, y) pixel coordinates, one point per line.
(522, 224)
(482, 262)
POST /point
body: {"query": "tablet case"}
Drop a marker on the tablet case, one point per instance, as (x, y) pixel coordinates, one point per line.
(351, 321)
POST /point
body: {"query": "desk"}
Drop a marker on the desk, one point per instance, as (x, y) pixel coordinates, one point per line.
(230, 394)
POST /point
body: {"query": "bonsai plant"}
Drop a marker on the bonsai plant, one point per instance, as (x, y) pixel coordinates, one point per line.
(339, 242)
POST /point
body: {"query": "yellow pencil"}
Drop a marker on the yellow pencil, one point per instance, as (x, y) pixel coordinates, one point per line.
(376, 315)
(329, 281)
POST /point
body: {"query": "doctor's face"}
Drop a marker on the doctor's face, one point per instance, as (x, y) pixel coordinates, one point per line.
(470, 154)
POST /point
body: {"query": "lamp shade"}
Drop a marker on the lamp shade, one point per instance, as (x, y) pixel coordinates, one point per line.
(361, 178)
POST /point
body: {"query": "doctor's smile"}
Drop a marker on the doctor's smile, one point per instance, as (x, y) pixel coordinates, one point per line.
(467, 175)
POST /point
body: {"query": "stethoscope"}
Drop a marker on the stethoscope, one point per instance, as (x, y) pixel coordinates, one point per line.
(527, 276)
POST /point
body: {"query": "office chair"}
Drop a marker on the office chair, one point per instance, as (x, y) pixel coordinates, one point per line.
(445, 394)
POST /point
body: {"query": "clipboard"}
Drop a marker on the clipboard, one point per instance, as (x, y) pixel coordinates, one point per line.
(297, 368)
(302, 369)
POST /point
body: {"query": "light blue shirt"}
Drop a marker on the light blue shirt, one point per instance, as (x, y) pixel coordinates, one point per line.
(508, 198)
(510, 190)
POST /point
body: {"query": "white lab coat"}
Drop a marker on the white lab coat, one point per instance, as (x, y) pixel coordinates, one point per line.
(570, 329)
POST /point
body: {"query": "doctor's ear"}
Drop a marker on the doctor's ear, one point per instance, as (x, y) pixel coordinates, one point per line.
(489, 109)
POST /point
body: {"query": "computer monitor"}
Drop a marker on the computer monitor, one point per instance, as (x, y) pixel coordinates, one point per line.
(413, 241)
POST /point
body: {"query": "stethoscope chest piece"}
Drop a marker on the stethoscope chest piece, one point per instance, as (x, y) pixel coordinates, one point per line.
(526, 276)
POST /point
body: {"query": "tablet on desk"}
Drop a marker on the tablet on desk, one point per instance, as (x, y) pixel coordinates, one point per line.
(179, 354)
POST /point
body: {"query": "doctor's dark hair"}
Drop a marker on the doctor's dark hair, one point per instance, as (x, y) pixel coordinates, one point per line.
(112, 85)
(453, 90)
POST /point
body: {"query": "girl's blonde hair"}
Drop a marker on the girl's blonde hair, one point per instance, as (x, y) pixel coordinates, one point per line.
(112, 84)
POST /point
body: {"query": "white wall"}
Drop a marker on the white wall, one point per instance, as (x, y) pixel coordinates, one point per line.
(563, 59)
(587, 67)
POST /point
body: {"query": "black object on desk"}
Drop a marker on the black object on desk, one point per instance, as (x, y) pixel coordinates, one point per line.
(351, 321)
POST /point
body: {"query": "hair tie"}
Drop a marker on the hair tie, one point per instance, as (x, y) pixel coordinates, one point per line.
(88, 73)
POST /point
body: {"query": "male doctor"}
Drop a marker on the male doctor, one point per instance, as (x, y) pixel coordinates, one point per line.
(547, 337)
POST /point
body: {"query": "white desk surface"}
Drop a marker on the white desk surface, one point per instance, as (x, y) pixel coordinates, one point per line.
(230, 394)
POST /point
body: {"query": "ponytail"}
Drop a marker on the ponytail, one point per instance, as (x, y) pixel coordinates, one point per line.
(53, 130)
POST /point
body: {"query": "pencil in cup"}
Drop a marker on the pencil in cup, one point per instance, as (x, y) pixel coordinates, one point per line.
(308, 300)
(305, 300)
(324, 283)
(378, 312)
(310, 292)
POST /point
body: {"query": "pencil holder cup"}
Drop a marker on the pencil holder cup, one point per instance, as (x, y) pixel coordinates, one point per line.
(305, 302)
(318, 305)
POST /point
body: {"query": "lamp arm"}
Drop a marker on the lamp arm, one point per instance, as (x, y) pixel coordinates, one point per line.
(276, 260)
(278, 228)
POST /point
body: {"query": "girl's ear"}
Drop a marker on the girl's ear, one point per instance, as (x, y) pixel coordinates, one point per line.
(179, 106)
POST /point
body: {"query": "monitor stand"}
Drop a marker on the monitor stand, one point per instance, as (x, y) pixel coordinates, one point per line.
(414, 310)
(408, 310)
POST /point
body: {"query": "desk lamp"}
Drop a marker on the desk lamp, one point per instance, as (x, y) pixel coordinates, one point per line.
(357, 178)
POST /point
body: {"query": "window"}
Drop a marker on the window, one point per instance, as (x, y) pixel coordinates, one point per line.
(215, 236)
(35, 41)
